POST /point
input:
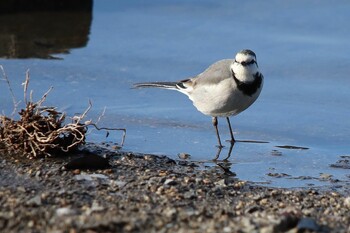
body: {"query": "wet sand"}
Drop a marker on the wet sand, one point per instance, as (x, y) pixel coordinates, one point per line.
(147, 193)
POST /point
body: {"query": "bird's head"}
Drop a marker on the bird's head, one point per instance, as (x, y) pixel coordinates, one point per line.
(246, 58)
(245, 65)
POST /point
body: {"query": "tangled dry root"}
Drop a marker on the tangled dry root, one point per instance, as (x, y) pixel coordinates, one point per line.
(41, 131)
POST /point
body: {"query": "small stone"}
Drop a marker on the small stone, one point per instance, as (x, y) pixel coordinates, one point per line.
(160, 190)
(21, 189)
(221, 182)
(264, 201)
(253, 209)
(198, 180)
(189, 194)
(37, 174)
(276, 153)
(239, 205)
(347, 202)
(206, 181)
(76, 172)
(30, 224)
(184, 156)
(90, 177)
(281, 205)
(118, 183)
(286, 222)
(65, 211)
(35, 201)
(146, 198)
(239, 184)
(116, 147)
(44, 196)
(187, 180)
(170, 182)
(169, 212)
(274, 192)
(148, 157)
(95, 207)
(163, 173)
(267, 229)
(325, 176)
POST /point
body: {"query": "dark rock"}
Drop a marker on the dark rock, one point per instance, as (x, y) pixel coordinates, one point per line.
(288, 221)
(277, 175)
(88, 161)
(254, 209)
(343, 163)
(170, 182)
(309, 224)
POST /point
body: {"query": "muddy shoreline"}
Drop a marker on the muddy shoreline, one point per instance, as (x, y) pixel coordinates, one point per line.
(147, 193)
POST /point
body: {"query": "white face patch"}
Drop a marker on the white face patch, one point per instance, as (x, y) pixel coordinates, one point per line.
(241, 57)
(244, 73)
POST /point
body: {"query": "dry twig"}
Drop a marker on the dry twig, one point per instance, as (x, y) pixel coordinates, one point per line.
(41, 131)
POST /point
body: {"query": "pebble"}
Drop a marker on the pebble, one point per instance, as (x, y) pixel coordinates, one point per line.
(264, 201)
(170, 182)
(206, 181)
(35, 201)
(221, 183)
(190, 194)
(184, 156)
(152, 194)
(90, 177)
(118, 183)
(65, 211)
(347, 202)
(76, 171)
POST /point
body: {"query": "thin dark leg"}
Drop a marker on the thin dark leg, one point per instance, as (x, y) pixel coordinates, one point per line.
(229, 125)
(215, 124)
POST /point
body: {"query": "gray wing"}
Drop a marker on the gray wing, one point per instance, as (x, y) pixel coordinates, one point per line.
(215, 73)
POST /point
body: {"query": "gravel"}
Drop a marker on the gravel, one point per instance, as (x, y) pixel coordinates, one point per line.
(147, 193)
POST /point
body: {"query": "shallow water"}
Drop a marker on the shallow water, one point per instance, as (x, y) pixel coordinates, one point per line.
(302, 49)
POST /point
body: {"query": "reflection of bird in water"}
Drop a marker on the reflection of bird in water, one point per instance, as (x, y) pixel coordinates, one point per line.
(228, 154)
(225, 89)
(231, 148)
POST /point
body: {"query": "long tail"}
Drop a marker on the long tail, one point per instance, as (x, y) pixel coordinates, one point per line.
(164, 85)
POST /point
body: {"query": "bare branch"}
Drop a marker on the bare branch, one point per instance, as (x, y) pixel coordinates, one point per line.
(43, 98)
(105, 128)
(15, 103)
(25, 86)
(41, 130)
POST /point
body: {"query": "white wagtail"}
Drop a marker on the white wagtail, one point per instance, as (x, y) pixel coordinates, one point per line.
(224, 89)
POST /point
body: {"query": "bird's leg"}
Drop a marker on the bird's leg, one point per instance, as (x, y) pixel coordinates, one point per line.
(215, 124)
(229, 125)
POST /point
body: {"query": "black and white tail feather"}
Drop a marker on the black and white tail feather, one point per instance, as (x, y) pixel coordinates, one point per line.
(180, 86)
(164, 85)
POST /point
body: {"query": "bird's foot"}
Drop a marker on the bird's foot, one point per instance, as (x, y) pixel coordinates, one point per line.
(231, 141)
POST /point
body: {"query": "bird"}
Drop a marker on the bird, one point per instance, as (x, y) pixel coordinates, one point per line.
(224, 89)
